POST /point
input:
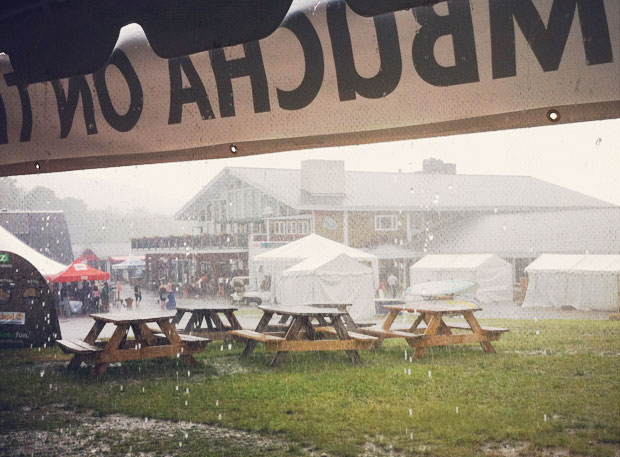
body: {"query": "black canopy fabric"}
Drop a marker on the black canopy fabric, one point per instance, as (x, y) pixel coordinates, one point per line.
(54, 39)
(27, 313)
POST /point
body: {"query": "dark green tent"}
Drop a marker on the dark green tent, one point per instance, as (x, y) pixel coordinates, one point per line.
(27, 313)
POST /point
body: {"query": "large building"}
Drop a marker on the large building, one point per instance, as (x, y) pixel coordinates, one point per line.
(398, 216)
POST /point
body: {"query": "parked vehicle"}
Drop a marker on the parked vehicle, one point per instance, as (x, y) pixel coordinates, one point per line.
(245, 291)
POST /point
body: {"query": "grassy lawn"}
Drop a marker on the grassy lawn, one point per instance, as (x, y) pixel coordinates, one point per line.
(551, 383)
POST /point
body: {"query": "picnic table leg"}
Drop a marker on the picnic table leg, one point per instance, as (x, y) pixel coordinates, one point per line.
(177, 318)
(416, 323)
(291, 334)
(144, 335)
(173, 337)
(433, 323)
(232, 320)
(94, 332)
(218, 322)
(195, 321)
(262, 325)
(475, 326)
(342, 333)
(389, 320)
(114, 343)
(75, 362)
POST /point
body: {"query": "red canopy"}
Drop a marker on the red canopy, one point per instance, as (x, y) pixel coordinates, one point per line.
(79, 271)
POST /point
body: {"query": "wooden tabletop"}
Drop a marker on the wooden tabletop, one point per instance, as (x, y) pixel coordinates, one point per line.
(445, 307)
(301, 310)
(129, 317)
(207, 307)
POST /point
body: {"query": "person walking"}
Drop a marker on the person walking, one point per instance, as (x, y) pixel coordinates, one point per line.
(171, 302)
(105, 297)
(393, 284)
(137, 292)
(163, 295)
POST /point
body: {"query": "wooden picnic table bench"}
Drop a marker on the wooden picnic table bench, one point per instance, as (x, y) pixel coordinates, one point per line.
(208, 314)
(146, 343)
(302, 335)
(349, 323)
(437, 332)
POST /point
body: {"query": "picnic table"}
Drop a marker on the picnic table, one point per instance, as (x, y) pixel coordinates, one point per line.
(208, 314)
(163, 341)
(309, 329)
(436, 331)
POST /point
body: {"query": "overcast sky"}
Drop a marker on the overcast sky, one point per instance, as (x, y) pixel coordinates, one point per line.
(584, 157)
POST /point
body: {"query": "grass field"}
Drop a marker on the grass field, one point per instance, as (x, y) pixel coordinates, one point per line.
(553, 386)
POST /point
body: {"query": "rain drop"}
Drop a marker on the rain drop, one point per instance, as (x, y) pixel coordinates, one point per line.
(545, 418)
(430, 375)
(431, 236)
(457, 410)
(599, 140)
(219, 417)
(495, 210)
(42, 373)
(410, 411)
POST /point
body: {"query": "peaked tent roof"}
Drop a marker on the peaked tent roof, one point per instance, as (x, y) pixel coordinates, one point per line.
(408, 191)
(79, 271)
(575, 263)
(340, 264)
(45, 265)
(131, 262)
(311, 246)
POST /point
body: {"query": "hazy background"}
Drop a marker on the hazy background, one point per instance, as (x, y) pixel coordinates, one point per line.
(584, 157)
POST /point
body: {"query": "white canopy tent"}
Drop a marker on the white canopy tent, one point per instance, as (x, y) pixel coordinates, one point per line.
(582, 281)
(274, 262)
(45, 265)
(131, 262)
(492, 274)
(326, 279)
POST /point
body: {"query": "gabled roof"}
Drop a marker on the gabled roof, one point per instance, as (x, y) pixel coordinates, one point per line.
(523, 234)
(410, 191)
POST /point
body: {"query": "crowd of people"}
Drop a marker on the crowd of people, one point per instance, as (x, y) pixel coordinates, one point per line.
(92, 297)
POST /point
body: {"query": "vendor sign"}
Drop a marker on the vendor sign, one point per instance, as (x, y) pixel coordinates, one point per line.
(12, 317)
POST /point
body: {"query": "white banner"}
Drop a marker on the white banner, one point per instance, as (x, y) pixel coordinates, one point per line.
(326, 77)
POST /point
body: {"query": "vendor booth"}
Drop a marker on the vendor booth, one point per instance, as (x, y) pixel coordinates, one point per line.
(27, 313)
(273, 263)
(327, 280)
(586, 282)
(492, 274)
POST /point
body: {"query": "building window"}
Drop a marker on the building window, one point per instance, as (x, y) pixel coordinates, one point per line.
(291, 228)
(385, 222)
(303, 228)
(279, 228)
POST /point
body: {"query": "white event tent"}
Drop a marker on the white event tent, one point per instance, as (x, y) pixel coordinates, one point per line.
(492, 273)
(274, 262)
(582, 281)
(45, 265)
(325, 279)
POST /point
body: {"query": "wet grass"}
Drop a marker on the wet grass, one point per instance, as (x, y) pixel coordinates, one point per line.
(551, 383)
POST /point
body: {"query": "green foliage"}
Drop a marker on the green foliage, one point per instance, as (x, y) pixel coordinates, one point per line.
(551, 383)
